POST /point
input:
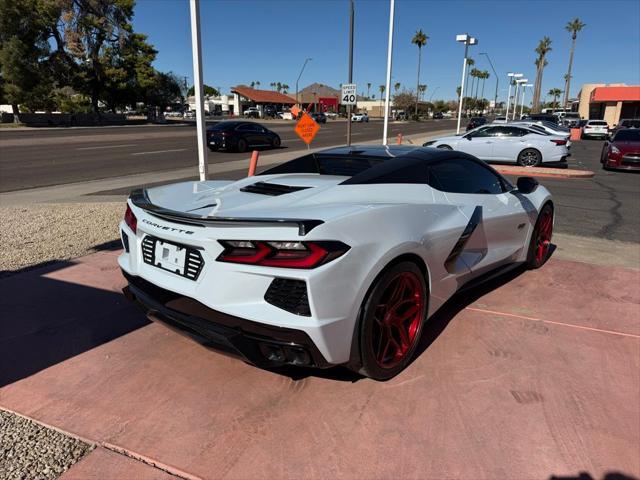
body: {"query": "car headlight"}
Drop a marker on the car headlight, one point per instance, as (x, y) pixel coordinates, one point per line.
(615, 150)
(429, 143)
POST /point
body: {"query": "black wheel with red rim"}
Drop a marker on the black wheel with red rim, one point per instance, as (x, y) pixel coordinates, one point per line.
(540, 244)
(391, 321)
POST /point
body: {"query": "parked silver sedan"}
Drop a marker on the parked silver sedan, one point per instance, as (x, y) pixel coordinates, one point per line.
(523, 145)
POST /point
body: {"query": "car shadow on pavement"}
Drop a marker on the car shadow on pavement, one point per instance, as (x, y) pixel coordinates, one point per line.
(588, 476)
(47, 320)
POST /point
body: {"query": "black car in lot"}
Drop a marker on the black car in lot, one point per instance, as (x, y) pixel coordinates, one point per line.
(476, 122)
(239, 136)
(319, 117)
(438, 116)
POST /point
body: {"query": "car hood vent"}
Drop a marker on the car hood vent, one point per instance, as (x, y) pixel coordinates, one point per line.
(272, 189)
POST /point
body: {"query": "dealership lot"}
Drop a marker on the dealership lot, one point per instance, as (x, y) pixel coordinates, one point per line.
(531, 376)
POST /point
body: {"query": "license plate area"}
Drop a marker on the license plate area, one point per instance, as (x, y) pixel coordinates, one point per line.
(173, 257)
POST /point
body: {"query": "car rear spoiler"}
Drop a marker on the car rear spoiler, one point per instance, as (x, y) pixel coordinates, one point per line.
(140, 199)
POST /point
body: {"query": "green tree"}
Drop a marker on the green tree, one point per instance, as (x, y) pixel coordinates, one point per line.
(396, 87)
(208, 91)
(24, 56)
(419, 40)
(368, 88)
(555, 93)
(573, 27)
(164, 90)
(382, 88)
(404, 101)
(543, 48)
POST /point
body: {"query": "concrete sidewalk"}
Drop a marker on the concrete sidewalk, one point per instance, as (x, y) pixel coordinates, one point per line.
(531, 376)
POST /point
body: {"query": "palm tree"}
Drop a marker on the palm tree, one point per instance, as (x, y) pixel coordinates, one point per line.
(273, 85)
(257, 83)
(285, 88)
(252, 84)
(573, 27)
(470, 63)
(422, 89)
(485, 75)
(396, 86)
(555, 93)
(542, 49)
(278, 86)
(382, 88)
(419, 39)
(368, 88)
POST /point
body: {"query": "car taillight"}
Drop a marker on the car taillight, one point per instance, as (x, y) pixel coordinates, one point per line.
(559, 142)
(283, 254)
(130, 219)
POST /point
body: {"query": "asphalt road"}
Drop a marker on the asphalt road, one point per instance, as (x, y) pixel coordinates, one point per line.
(37, 158)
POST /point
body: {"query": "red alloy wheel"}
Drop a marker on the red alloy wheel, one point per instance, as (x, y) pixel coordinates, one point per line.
(543, 238)
(397, 319)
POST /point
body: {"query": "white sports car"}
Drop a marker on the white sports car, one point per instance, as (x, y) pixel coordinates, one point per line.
(333, 258)
(509, 143)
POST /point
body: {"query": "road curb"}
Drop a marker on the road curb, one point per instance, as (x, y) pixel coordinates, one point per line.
(543, 172)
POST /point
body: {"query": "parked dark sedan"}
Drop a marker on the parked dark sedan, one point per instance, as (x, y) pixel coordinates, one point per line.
(438, 116)
(476, 122)
(238, 135)
(622, 152)
(319, 117)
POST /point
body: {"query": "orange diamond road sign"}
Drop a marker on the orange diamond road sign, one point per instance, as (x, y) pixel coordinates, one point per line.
(306, 128)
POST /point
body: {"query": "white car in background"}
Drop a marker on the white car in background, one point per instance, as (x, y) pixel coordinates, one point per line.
(595, 128)
(360, 117)
(547, 127)
(500, 120)
(508, 143)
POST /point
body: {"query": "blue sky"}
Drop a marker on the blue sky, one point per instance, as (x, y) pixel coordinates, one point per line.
(268, 40)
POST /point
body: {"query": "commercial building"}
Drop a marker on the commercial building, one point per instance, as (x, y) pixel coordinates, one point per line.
(609, 102)
(244, 97)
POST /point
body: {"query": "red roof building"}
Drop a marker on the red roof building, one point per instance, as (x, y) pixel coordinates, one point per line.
(611, 103)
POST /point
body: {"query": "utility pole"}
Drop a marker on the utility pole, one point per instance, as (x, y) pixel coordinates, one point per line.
(351, 15)
(196, 50)
(388, 86)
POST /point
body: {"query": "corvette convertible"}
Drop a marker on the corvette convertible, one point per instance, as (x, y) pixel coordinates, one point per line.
(337, 257)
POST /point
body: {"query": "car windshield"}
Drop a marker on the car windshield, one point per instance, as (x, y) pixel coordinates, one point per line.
(631, 135)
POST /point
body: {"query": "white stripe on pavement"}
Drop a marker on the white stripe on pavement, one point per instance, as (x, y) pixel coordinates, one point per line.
(108, 146)
(160, 151)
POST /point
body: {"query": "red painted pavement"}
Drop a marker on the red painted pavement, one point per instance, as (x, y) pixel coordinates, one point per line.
(538, 377)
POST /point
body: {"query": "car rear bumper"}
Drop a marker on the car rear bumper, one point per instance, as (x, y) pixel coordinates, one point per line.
(261, 345)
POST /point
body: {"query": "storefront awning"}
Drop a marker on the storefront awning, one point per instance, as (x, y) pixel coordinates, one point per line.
(616, 94)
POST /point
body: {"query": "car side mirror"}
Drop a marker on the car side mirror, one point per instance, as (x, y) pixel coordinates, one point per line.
(527, 184)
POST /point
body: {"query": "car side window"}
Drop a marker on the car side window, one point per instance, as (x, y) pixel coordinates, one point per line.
(460, 175)
(244, 128)
(482, 132)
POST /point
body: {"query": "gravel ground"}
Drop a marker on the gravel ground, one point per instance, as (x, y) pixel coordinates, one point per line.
(41, 233)
(30, 451)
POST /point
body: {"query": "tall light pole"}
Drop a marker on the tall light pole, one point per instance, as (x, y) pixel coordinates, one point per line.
(388, 87)
(519, 82)
(301, 70)
(467, 40)
(351, 17)
(495, 99)
(196, 51)
(524, 88)
(511, 76)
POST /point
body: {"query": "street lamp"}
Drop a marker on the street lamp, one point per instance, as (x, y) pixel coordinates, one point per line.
(495, 99)
(515, 97)
(524, 88)
(301, 70)
(511, 76)
(467, 40)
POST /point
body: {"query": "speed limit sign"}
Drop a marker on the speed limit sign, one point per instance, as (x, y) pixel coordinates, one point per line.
(348, 94)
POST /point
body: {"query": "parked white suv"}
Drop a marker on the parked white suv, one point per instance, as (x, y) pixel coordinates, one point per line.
(252, 112)
(595, 128)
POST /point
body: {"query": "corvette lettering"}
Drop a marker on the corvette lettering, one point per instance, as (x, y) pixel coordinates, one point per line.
(170, 229)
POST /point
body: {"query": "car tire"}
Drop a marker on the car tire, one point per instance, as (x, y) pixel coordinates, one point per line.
(540, 243)
(275, 143)
(242, 145)
(529, 157)
(444, 147)
(390, 334)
